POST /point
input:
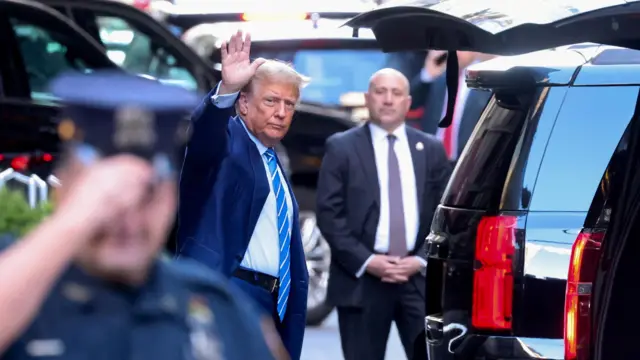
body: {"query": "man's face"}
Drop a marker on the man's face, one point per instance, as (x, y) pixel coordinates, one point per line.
(125, 250)
(268, 110)
(388, 99)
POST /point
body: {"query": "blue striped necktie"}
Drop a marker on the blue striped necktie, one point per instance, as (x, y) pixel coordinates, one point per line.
(284, 233)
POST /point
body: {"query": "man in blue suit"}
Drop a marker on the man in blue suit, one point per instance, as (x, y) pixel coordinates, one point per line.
(237, 212)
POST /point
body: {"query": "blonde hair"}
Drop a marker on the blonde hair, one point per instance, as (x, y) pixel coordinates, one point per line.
(278, 71)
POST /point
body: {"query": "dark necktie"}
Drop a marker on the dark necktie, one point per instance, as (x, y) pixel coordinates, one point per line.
(397, 237)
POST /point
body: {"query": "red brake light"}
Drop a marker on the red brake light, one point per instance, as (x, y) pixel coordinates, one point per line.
(47, 157)
(415, 114)
(142, 4)
(20, 163)
(577, 309)
(493, 279)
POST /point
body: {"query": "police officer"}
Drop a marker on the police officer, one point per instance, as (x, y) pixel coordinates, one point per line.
(89, 283)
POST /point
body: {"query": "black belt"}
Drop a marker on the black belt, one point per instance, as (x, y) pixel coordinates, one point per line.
(264, 281)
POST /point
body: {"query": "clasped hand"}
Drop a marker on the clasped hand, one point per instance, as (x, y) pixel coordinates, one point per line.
(394, 269)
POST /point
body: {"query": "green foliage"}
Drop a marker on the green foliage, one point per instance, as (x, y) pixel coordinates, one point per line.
(16, 217)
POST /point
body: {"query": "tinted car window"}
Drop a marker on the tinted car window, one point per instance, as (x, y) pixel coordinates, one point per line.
(480, 174)
(587, 131)
(46, 53)
(137, 52)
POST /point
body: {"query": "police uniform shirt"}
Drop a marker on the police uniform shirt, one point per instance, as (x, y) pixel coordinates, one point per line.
(184, 311)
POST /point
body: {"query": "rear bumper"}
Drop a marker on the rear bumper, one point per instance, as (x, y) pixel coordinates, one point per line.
(450, 345)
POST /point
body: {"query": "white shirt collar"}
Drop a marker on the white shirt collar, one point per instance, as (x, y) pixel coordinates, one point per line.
(379, 134)
(261, 148)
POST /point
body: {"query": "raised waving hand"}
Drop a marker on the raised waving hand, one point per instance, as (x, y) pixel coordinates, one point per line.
(237, 68)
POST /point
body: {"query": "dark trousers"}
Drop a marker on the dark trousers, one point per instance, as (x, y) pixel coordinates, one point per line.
(364, 331)
(266, 301)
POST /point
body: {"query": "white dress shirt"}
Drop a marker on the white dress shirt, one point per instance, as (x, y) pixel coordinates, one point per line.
(263, 252)
(409, 191)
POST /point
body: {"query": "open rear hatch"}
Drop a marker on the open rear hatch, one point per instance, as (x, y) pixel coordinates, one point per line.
(404, 28)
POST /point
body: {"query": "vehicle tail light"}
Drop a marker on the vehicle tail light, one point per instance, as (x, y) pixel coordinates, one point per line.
(25, 162)
(493, 277)
(577, 309)
(20, 163)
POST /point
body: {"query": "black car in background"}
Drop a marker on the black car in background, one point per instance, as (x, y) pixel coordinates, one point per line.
(37, 44)
(136, 42)
(40, 43)
(531, 251)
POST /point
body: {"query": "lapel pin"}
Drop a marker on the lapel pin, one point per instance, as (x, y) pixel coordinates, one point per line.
(419, 146)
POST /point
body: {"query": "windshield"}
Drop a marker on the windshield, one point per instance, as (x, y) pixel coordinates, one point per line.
(498, 15)
(334, 73)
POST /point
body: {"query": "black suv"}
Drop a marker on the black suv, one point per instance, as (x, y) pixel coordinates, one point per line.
(524, 230)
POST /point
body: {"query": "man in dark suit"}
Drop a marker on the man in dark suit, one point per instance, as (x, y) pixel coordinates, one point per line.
(237, 213)
(379, 185)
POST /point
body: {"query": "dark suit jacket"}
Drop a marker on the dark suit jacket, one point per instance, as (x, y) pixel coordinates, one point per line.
(348, 203)
(223, 188)
(474, 106)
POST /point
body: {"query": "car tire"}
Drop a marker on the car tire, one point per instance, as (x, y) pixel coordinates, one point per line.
(318, 256)
(318, 314)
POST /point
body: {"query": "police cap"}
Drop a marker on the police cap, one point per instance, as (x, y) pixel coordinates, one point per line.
(111, 112)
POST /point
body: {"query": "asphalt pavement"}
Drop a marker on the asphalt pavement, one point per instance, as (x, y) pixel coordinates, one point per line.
(323, 343)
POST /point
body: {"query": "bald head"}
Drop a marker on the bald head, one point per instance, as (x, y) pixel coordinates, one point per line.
(389, 73)
(388, 98)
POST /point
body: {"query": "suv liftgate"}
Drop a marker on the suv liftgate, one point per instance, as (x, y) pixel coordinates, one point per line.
(485, 273)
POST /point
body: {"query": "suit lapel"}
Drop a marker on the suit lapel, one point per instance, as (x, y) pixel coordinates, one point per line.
(419, 159)
(364, 149)
(260, 184)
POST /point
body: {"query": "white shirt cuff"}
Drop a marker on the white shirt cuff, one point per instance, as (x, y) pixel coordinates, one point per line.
(425, 77)
(223, 101)
(363, 268)
(423, 262)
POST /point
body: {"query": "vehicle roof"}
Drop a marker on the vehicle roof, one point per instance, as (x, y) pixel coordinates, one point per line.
(117, 4)
(34, 4)
(549, 67)
(256, 6)
(558, 66)
(284, 30)
(109, 2)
